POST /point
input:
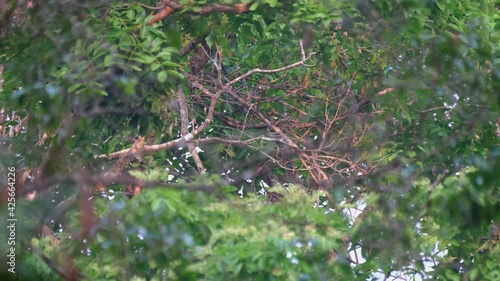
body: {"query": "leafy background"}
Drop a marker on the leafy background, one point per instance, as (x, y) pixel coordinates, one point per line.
(374, 158)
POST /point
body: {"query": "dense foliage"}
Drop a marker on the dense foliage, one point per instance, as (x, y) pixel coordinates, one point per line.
(252, 140)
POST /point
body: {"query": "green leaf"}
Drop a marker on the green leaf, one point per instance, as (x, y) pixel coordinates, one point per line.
(272, 3)
(144, 58)
(138, 59)
(74, 87)
(162, 76)
(108, 60)
(169, 64)
(254, 6)
(175, 73)
(474, 273)
(406, 111)
(102, 92)
(131, 14)
(135, 67)
(237, 269)
(157, 204)
(155, 66)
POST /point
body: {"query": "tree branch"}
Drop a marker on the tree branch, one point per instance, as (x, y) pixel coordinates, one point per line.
(183, 108)
(172, 6)
(188, 137)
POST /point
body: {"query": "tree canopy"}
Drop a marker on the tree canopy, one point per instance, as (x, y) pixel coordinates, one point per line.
(250, 139)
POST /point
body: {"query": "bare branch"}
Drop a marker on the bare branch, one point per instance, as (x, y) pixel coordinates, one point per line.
(184, 130)
(303, 53)
(237, 141)
(383, 92)
(258, 70)
(187, 137)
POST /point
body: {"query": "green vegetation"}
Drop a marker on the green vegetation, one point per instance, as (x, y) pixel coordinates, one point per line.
(251, 140)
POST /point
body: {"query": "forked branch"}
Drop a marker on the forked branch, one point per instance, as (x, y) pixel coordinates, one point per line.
(184, 139)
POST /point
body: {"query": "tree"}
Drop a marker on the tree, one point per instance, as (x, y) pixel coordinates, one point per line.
(253, 140)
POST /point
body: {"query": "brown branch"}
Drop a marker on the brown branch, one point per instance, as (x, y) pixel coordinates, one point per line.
(172, 6)
(174, 143)
(162, 14)
(219, 8)
(383, 92)
(186, 138)
(315, 170)
(126, 155)
(317, 174)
